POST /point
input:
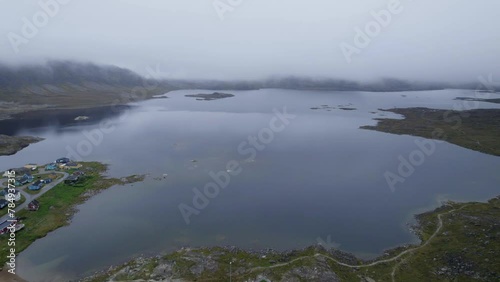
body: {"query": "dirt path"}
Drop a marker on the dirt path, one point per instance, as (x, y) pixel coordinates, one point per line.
(438, 229)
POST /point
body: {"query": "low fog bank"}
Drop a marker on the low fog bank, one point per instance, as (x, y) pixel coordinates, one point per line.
(443, 41)
(69, 72)
(308, 83)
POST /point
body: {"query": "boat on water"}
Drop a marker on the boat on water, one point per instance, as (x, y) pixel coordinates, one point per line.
(79, 118)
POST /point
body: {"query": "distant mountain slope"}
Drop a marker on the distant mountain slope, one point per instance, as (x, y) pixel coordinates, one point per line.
(61, 72)
(52, 76)
(65, 84)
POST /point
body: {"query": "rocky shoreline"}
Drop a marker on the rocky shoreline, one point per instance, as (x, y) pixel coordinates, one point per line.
(9, 145)
(208, 260)
(458, 243)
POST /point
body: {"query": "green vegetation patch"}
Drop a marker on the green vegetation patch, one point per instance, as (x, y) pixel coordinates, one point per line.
(57, 206)
(477, 130)
(466, 249)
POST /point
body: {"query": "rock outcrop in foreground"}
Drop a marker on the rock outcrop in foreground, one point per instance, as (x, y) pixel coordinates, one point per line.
(459, 243)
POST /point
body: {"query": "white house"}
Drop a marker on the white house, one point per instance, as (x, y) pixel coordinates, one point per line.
(31, 166)
(16, 196)
(6, 174)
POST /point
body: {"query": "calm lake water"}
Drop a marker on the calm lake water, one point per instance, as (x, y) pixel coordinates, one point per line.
(321, 176)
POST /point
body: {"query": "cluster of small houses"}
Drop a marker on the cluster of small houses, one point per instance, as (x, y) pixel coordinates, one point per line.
(24, 177)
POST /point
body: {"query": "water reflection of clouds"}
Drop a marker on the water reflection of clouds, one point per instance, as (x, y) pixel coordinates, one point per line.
(319, 174)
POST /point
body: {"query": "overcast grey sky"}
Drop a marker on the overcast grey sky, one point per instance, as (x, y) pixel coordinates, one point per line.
(452, 40)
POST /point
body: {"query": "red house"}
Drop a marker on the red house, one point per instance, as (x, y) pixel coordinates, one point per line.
(33, 205)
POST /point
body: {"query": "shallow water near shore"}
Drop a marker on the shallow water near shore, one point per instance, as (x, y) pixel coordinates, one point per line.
(320, 177)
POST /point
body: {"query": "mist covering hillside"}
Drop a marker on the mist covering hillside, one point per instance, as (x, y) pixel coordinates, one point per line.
(61, 82)
(66, 84)
(306, 83)
(57, 72)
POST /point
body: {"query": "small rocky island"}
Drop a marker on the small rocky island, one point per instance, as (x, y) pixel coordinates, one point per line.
(210, 97)
(328, 108)
(80, 118)
(9, 145)
(496, 100)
